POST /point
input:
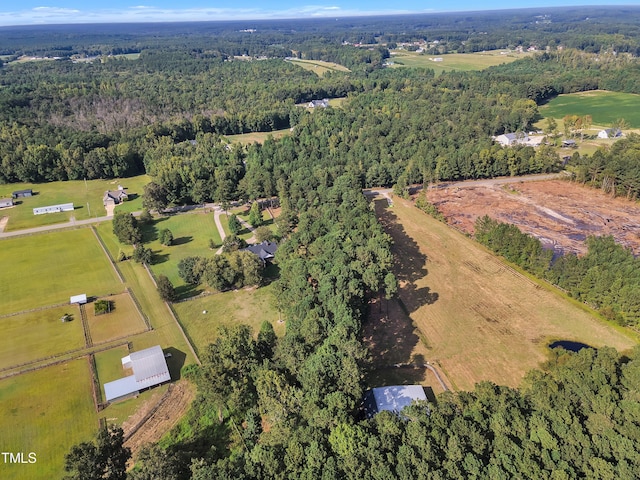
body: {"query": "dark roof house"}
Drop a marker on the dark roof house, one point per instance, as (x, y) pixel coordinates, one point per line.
(115, 196)
(149, 368)
(324, 103)
(265, 250)
(393, 398)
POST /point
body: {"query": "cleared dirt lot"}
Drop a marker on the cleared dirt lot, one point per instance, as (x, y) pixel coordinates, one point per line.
(560, 213)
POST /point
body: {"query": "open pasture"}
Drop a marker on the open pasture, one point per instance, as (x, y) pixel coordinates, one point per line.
(454, 61)
(123, 320)
(36, 335)
(46, 269)
(319, 67)
(85, 196)
(603, 106)
(246, 306)
(479, 318)
(45, 412)
(257, 137)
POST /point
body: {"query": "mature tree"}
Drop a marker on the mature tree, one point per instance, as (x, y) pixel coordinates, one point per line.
(126, 228)
(234, 224)
(166, 237)
(255, 215)
(141, 254)
(145, 217)
(232, 243)
(106, 458)
(263, 234)
(165, 289)
(156, 197)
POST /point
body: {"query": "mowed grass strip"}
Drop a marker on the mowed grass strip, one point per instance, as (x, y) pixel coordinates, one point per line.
(480, 319)
(35, 335)
(603, 106)
(246, 306)
(46, 412)
(46, 269)
(123, 320)
(85, 196)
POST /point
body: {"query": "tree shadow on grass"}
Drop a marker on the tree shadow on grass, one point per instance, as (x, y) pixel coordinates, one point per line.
(181, 240)
(158, 257)
(175, 361)
(409, 261)
(187, 291)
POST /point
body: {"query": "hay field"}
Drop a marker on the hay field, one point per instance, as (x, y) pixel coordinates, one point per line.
(454, 61)
(603, 106)
(47, 269)
(257, 137)
(319, 67)
(480, 319)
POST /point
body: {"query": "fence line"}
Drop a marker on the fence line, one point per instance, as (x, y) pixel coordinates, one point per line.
(106, 252)
(147, 322)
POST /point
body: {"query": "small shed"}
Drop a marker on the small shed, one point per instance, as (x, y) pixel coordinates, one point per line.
(392, 398)
(27, 192)
(569, 143)
(6, 202)
(79, 299)
(63, 207)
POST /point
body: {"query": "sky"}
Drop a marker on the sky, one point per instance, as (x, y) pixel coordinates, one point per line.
(32, 12)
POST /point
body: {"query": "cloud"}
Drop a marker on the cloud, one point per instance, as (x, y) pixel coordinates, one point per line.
(146, 13)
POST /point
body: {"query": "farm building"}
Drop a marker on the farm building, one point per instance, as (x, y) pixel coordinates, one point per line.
(610, 133)
(149, 368)
(22, 193)
(392, 399)
(6, 202)
(115, 197)
(569, 143)
(63, 207)
(265, 250)
(508, 139)
(79, 299)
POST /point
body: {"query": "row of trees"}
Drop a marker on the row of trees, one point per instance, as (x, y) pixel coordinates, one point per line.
(234, 269)
(607, 277)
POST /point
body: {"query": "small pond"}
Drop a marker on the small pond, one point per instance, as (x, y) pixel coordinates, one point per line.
(569, 345)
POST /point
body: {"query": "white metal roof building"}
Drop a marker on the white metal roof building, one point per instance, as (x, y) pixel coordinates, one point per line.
(149, 368)
(79, 299)
(393, 398)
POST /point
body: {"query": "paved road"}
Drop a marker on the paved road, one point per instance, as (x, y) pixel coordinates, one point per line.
(56, 226)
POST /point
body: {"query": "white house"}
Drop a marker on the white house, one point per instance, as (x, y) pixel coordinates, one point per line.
(610, 133)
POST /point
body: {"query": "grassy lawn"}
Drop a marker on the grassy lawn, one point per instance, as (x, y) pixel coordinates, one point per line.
(454, 61)
(191, 232)
(34, 335)
(109, 366)
(46, 411)
(478, 318)
(249, 307)
(319, 67)
(47, 269)
(603, 106)
(85, 196)
(257, 137)
(123, 320)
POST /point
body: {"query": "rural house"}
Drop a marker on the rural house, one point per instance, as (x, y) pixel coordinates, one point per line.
(392, 399)
(610, 133)
(115, 197)
(6, 202)
(509, 139)
(149, 368)
(265, 251)
(22, 193)
(63, 207)
(324, 103)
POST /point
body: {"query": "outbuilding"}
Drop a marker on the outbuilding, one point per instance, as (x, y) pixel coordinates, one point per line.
(78, 299)
(27, 192)
(149, 368)
(6, 202)
(392, 399)
(63, 207)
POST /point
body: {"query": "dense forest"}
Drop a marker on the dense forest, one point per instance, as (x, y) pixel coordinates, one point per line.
(289, 407)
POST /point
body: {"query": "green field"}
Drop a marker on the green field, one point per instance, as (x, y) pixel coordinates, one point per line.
(35, 335)
(454, 61)
(45, 412)
(85, 196)
(247, 306)
(479, 319)
(319, 67)
(47, 269)
(123, 320)
(257, 137)
(604, 107)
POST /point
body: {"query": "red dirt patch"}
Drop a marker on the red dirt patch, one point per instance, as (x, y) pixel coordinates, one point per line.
(559, 213)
